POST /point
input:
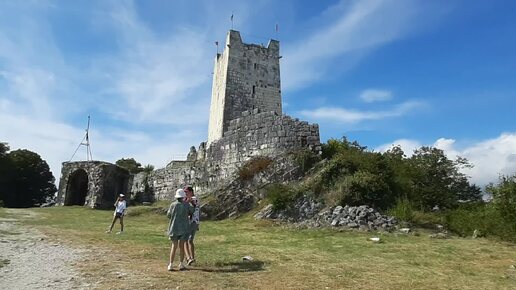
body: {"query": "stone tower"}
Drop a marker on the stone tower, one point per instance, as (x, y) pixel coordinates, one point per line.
(246, 77)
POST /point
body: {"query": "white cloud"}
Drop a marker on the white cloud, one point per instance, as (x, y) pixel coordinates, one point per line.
(407, 145)
(348, 31)
(351, 116)
(373, 95)
(490, 157)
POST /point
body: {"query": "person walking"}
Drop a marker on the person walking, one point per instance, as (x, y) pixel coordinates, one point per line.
(120, 207)
(179, 227)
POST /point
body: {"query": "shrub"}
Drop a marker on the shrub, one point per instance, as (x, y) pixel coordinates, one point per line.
(504, 198)
(305, 159)
(403, 210)
(281, 196)
(483, 217)
(253, 167)
(363, 187)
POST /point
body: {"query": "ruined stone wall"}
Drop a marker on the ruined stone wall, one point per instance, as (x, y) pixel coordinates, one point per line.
(246, 77)
(104, 182)
(254, 134)
(260, 134)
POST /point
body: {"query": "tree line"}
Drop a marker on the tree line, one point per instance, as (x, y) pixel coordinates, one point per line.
(25, 178)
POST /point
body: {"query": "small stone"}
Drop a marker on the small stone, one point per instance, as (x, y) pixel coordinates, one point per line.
(247, 258)
(405, 230)
(439, 236)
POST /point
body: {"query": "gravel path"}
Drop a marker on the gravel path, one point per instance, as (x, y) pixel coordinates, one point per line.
(29, 261)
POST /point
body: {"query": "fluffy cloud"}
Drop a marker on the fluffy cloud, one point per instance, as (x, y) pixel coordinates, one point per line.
(351, 116)
(490, 157)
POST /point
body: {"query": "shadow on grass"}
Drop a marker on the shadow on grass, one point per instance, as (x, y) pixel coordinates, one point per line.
(232, 267)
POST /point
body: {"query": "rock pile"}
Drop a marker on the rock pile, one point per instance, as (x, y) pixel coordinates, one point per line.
(309, 213)
(357, 217)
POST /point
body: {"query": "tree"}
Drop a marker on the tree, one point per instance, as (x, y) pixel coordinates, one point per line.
(437, 180)
(130, 164)
(5, 170)
(504, 198)
(29, 182)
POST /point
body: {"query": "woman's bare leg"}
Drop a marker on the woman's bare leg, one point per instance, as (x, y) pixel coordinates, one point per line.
(173, 251)
(121, 223)
(182, 250)
(112, 224)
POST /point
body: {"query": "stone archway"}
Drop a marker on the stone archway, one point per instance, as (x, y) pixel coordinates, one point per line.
(77, 188)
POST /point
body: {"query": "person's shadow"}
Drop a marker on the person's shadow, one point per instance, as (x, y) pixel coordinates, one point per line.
(232, 267)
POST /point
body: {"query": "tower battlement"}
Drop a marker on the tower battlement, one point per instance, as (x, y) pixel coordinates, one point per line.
(245, 77)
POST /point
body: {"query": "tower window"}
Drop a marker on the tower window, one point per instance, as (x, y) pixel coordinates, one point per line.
(255, 66)
(254, 90)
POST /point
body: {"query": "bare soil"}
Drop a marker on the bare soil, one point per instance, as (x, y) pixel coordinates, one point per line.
(29, 260)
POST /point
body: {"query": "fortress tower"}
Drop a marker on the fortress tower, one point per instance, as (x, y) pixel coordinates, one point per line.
(246, 77)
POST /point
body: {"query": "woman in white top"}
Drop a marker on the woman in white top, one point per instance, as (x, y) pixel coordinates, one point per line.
(120, 206)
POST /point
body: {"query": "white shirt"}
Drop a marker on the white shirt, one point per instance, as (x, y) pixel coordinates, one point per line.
(120, 206)
(197, 210)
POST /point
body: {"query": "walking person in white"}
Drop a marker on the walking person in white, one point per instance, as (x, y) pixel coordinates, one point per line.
(120, 206)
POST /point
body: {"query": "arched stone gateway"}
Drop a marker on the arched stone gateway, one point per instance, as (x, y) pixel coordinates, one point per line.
(92, 183)
(77, 188)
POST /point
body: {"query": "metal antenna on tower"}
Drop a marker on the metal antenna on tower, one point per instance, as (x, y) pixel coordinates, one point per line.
(85, 142)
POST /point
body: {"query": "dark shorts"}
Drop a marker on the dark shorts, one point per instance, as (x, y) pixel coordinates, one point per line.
(178, 237)
(194, 227)
(119, 215)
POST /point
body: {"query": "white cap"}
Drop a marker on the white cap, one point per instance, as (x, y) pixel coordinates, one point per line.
(121, 195)
(180, 193)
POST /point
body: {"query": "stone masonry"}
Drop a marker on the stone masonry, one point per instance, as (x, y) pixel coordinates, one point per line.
(91, 183)
(245, 77)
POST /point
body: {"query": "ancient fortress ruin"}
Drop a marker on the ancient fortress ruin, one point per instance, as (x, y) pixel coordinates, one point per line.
(246, 121)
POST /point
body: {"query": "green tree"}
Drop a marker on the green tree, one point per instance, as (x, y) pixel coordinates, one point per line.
(438, 181)
(30, 181)
(504, 198)
(5, 170)
(130, 164)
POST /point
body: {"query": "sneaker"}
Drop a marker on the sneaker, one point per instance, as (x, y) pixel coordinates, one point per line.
(182, 267)
(108, 232)
(118, 233)
(170, 268)
(190, 262)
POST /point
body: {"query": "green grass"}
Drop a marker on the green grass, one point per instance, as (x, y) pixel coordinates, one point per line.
(284, 257)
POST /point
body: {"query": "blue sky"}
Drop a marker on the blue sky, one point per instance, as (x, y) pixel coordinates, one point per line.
(405, 72)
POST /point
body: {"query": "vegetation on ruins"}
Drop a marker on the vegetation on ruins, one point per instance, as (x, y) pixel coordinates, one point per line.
(25, 178)
(133, 166)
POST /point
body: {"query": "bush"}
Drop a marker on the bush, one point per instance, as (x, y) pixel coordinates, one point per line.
(504, 198)
(305, 159)
(363, 187)
(253, 167)
(281, 196)
(483, 217)
(403, 210)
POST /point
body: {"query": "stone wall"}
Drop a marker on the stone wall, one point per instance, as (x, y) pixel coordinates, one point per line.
(260, 134)
(91, 183)
(254, 134)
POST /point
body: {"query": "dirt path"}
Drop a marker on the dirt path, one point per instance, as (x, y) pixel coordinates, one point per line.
(29, 261)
